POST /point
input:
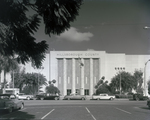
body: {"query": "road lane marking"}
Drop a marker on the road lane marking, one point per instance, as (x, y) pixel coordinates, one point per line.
(90, 113)
(123, 110)
(47, 114)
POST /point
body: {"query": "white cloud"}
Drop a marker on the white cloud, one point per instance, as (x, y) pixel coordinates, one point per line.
(73, 35)
(88, 27)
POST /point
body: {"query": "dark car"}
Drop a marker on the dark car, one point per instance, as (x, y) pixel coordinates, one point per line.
(46, 96)
(148, 103)
(9, 102)
(139, 97)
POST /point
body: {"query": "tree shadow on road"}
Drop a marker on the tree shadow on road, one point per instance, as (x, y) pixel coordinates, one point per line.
(145, 108)
(16, 115)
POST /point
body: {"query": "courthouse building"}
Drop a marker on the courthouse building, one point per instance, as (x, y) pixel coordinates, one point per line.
(79, 71)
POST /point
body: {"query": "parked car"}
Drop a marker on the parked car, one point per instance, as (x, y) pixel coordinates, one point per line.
(22, 96)
(9, 102)
(74, 96)
(139, 97)
(46, 96)
(148, 103)
(103, 97)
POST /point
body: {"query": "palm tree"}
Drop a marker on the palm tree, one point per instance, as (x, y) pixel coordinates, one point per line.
(1, 66)
(7, 65)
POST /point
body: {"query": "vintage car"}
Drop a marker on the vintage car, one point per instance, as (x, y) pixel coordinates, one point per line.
(9, 102)
(103, 97)
(148, 103)
(138, 97)
(46, 96)
(74, 96)
(22, 96)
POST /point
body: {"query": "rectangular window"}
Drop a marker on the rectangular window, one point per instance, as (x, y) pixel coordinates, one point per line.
(68, 80)
(68, 91)
(86, 80)
(77, 80)
(86, 92)
(59, 80)
(95, 79)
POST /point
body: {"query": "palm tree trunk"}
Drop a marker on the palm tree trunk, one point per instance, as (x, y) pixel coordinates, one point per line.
(4, 81)
(0, 78)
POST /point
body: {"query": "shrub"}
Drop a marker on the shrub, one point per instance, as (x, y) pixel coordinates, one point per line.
(123, 96)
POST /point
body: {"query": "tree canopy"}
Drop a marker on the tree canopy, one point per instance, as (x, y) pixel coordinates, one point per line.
(17, 28)
(28, 83)
(148, 83)
(51, 89)
(102, 86)
(128, 82)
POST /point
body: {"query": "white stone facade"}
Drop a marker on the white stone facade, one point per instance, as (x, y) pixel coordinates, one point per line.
(71, 76)
(65, 67)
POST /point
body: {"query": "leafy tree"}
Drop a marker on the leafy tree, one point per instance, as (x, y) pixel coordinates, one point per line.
(127, 82)
(51, 89)
(18, 78)
(31, 81)
(138, 81)
(102, 86)
(17, 27)
(2, 86)
(28, 82)
(7, 65)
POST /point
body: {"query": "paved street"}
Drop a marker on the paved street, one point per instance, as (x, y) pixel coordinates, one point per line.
(81, 110)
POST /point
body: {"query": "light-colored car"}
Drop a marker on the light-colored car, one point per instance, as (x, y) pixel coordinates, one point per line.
(22, 96)
(9, 102)
(74, 96)
(103, 97)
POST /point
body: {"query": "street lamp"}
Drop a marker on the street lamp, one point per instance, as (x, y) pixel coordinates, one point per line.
(120, 69)
(145, 78)
(81, 65)
(146, 27)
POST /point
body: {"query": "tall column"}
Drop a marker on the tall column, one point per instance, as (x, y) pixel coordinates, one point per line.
(64, 78)
(82, 78)
(99, 62)
(73, 75)
(56, 73)
(91, 76)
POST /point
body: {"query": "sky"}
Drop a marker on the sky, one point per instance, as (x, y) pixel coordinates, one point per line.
(114, 26)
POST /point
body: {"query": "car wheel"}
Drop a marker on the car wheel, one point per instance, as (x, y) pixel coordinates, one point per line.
(10, 110)
(42, 98)
(56, 98)
(137, 99)
(22, 106)
(28, 98)
(111, 98)
(82, 98)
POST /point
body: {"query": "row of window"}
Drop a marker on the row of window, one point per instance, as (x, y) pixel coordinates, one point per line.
(77, 80)
(86, 91)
